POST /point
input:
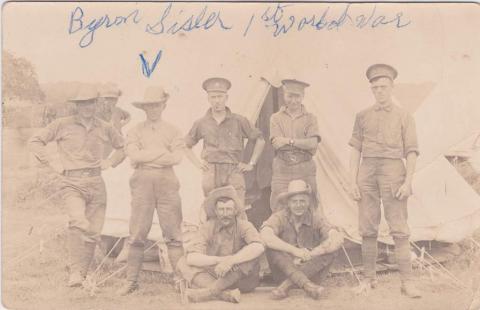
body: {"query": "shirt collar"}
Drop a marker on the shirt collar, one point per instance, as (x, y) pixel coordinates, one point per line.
(219, 227)
(303, 110)
(307, 218)
(152, 125)
(379, 107)
(96, 122)
(227, 116)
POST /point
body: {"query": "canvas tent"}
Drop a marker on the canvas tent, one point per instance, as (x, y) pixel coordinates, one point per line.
(434, 209)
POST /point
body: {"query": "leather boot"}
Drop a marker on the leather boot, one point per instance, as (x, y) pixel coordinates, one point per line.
(200, 294)
(313, 291)
(75, 252)
(232, 296)
(128, 288)
(281, 291)
(134, 262)
(369, 259)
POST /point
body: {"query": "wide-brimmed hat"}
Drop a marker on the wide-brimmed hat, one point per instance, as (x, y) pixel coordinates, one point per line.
(295, 187)
(85, 93)
(210, 202)
(381, 70)
(110, 92)
(153, 94)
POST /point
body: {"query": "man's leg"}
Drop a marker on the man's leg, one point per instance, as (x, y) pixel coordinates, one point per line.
(143, 206)
(77, 226)
(95, 213)
(369, 217)
(295, 274)
(211, 287)
(169, 212)
(396, 214)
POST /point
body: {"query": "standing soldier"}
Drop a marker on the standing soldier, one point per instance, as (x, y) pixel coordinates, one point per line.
(295, 137)
(154, 147)
(110, 112)
(80, 142)
(382, 136)
(223, 134)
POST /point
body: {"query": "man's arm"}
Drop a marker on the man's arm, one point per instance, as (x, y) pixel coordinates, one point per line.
(257, 151)
(138, 155)
(202, 260)
(275, 243)
(331, 244)
(355, 156)
(194, 159)
(38, 142)
(247, 253)
(406, 189)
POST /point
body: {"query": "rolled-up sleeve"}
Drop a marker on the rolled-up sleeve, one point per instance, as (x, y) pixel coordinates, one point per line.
(356, 140)
(275, 222)
(115, 138)
(198, 243)
(312, 128)
(275, 129)
(409, 133)
(249, 233)
(248, 130)
(38, 141)
(193, 136)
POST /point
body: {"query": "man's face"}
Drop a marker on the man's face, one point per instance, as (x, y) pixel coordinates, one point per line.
(108, 101)
(217, 100)
(154, 111)
(225, 212)
(292, 100)
(298, 204)
(382, 89)
(86, 109)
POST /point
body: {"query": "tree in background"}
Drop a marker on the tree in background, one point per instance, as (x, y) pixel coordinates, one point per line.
(19, 80)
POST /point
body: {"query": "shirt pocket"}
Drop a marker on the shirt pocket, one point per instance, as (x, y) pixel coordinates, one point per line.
(392, 132)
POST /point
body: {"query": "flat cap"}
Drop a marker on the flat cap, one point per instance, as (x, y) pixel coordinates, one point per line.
(294, 86)
(217, 84)
(381, 70)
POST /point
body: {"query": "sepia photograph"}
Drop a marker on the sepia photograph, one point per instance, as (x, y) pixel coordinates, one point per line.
(240, 155)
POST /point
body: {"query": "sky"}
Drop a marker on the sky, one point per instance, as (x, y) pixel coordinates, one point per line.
(437, 43)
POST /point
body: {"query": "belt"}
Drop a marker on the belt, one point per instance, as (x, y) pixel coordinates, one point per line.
(83, 173)
(293, 157)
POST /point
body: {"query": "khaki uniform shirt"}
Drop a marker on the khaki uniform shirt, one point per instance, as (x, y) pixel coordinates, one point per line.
(386, 132)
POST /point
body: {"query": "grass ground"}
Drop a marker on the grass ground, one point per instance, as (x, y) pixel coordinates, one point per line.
(38, 281)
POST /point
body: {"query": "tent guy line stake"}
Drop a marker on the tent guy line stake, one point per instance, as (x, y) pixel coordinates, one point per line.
(475, 242)
(440, 265)
(351, 265)
(434, 268)
(124, 266)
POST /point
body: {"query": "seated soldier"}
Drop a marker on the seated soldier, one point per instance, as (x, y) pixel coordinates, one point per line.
(300, 244)
(221, 260)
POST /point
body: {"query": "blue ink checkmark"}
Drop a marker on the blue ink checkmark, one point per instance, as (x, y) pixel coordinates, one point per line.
(147, 70)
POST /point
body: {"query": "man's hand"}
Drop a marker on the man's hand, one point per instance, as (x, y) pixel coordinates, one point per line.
(106, 164)
(278, 142)
(303, 254)
(404, 191)
(222, 268)
(242, 167)
(355, 192)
